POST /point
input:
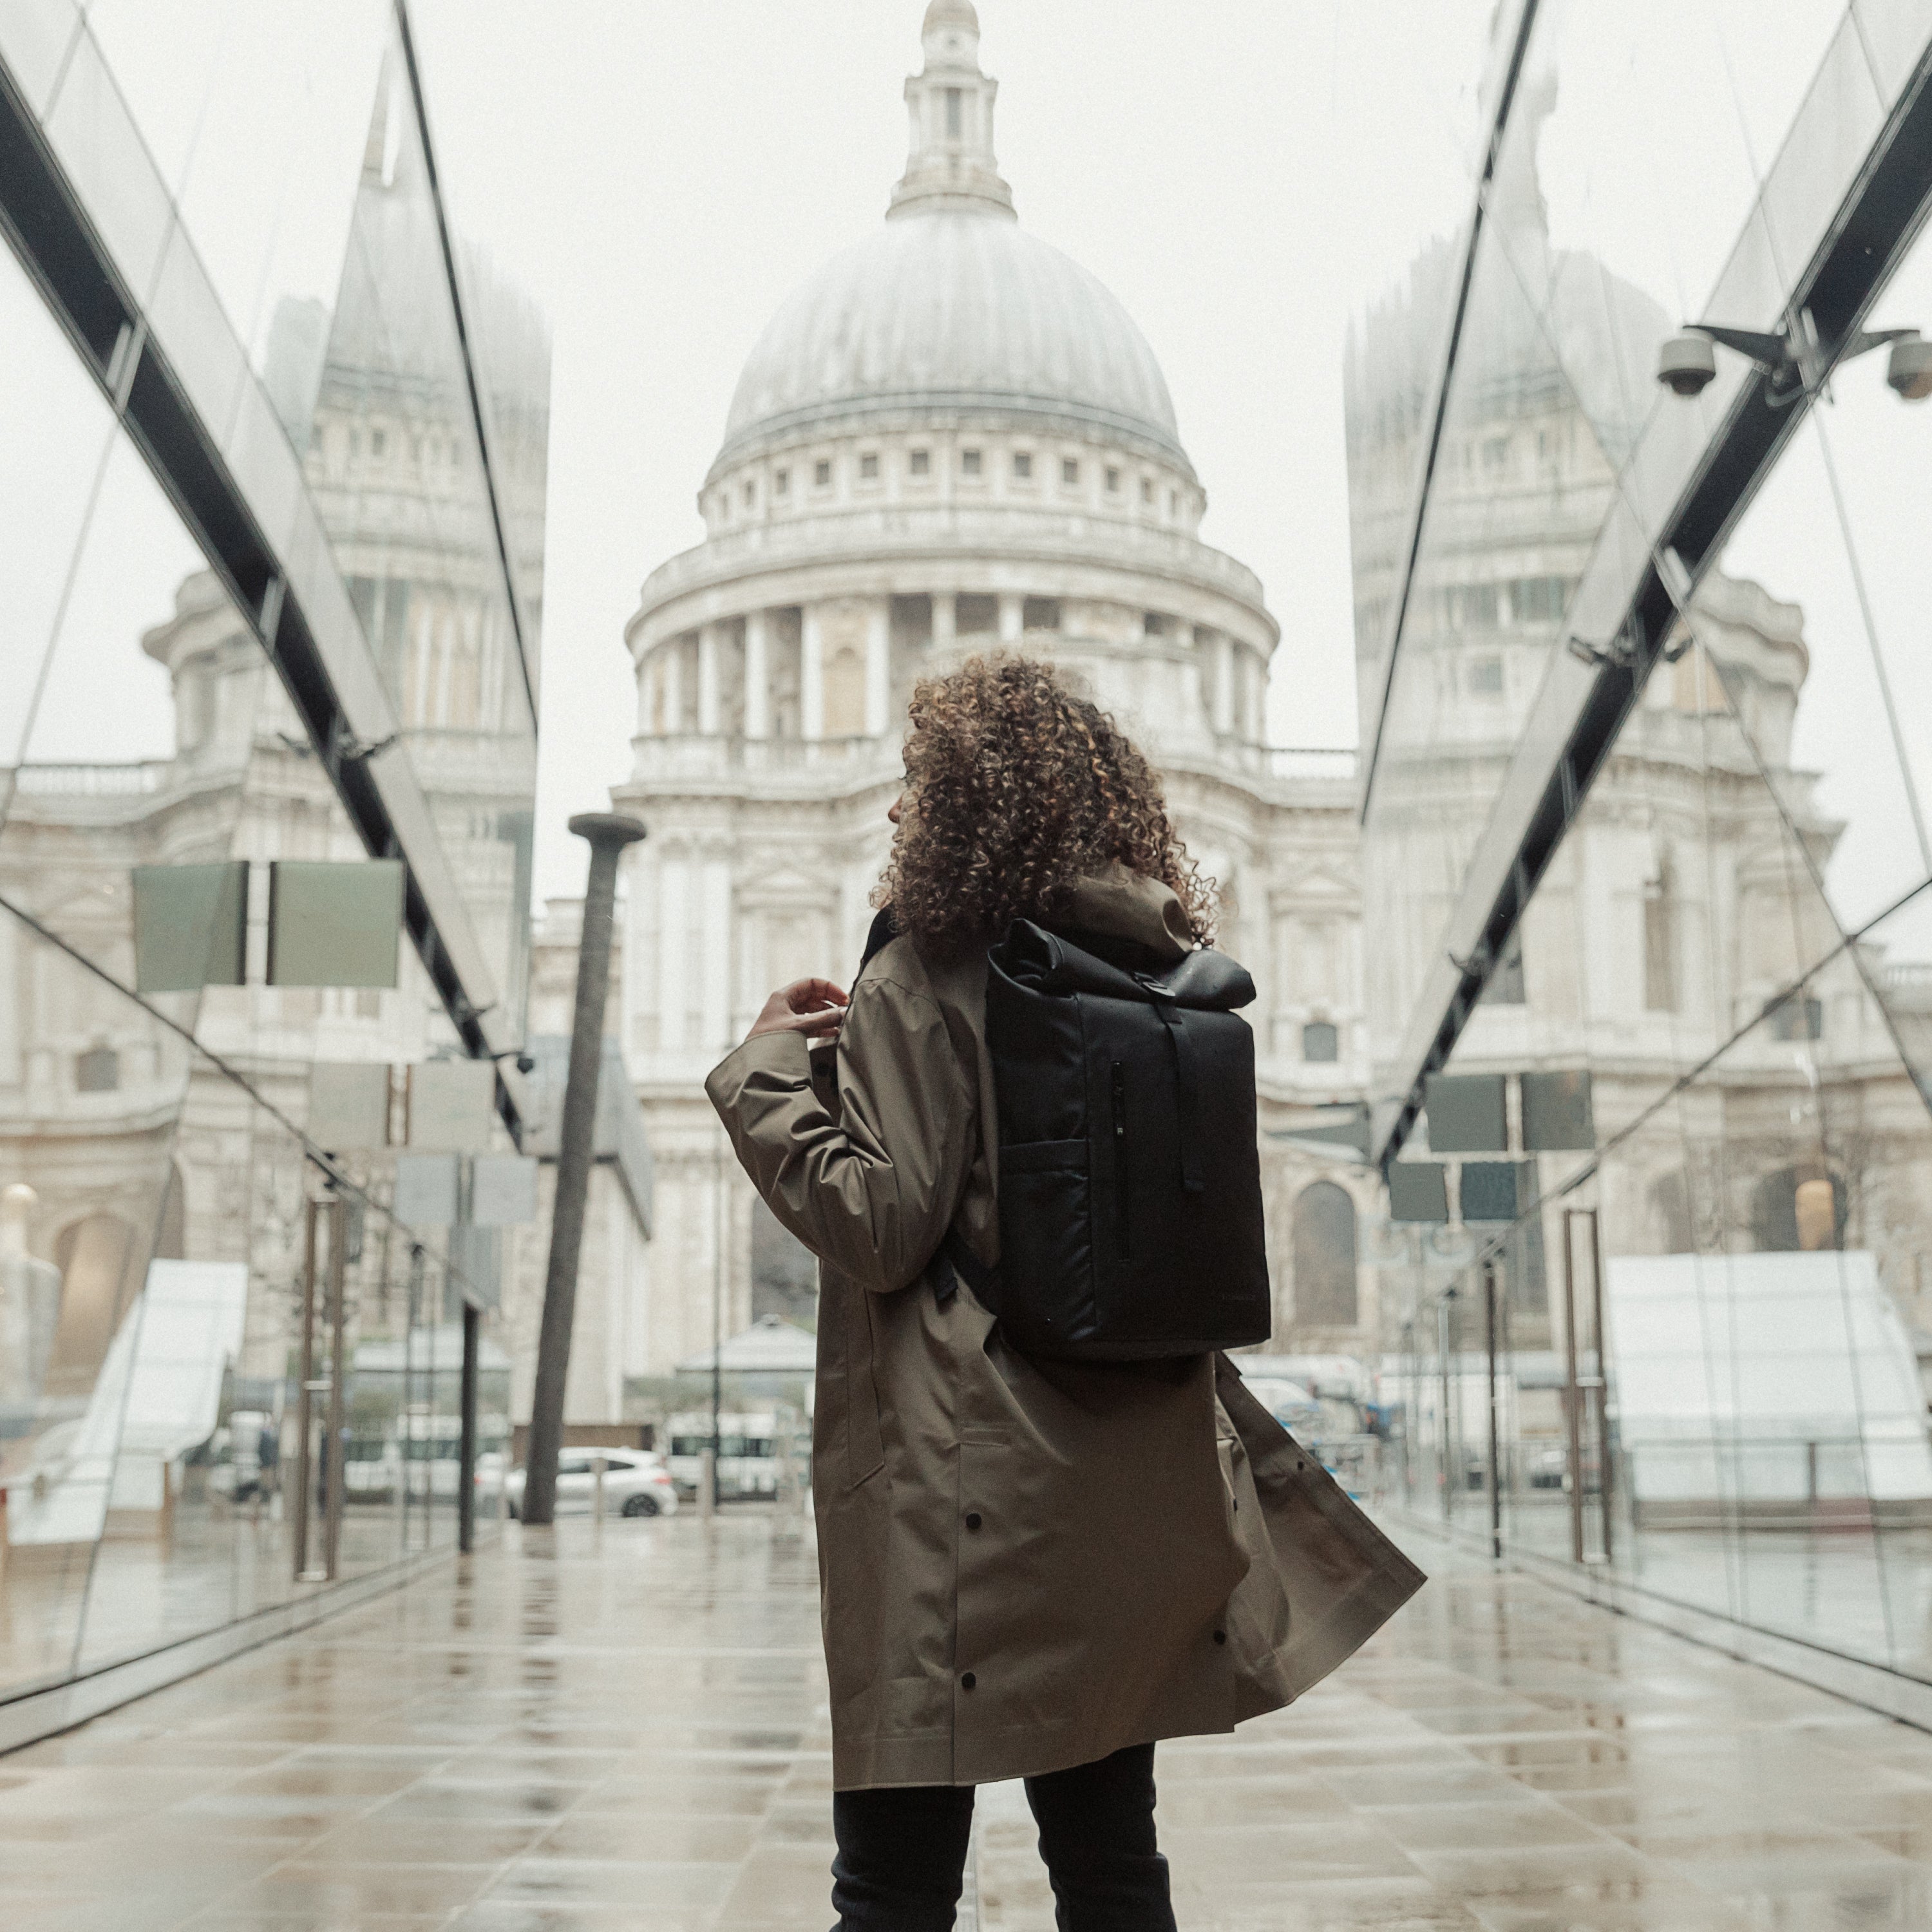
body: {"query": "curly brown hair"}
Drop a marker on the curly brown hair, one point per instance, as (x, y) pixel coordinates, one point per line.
(1016, 789)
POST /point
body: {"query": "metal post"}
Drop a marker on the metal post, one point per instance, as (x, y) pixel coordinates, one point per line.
(405, 1423)
(1600, 1382)
(718, 1333)
(1495, 1413)
(1572, 1395)
(466, 1465)
(1443, 1337)
(333, 1469)
(598, 1465)
(305, 1397)
(1412, 1399)
(608, 833)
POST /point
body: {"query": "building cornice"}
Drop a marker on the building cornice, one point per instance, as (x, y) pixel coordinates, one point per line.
(967, 543)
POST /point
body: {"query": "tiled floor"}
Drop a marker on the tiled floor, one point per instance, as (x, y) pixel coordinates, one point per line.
(629, 1732)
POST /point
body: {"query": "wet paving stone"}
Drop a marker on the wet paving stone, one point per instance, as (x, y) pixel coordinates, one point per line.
(627, 1732)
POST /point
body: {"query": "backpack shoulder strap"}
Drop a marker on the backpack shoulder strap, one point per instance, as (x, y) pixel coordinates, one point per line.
(884, 930)
(955, 1262)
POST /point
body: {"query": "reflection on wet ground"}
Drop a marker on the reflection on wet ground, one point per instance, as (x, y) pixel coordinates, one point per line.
(628, 1731)
(67, 1607)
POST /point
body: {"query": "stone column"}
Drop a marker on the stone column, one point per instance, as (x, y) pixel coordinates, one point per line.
(945, 628)
(670, 660)
(878, 666)
(1012, 617)
(673, 939)
(649, 684)
(758, 675)
(811, 676)
(709, 647)
(716, 875)
(1224, 684)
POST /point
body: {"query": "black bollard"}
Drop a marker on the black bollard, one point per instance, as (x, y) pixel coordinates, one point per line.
(608, 833)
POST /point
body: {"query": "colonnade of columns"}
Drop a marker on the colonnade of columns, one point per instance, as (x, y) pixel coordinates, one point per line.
(836, 656)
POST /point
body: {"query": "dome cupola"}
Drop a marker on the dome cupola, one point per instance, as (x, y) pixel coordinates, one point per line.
(949, 163)
(951, 306)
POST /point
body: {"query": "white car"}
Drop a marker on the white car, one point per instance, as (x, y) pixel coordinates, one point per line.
(636, 1483)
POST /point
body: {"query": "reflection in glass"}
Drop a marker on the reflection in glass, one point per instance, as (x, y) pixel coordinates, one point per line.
(380, 400)
(155, 1188)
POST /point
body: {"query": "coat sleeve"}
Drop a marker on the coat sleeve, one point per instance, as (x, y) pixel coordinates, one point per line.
(871, 1190)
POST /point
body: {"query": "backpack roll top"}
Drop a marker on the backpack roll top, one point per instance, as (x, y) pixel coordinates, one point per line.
(1130, 1203)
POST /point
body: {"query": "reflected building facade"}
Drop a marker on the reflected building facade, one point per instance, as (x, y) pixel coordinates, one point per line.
(1636, 824)
(308, 610)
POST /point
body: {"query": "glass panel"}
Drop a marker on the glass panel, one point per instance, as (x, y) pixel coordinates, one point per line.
(155, 1202)
(48, 481)
(90, 1086)
(1411, 224)
(1591, 254)
(395, 464)
(34, 37)
(140, 725)
(257, 119)
(1761, 1450)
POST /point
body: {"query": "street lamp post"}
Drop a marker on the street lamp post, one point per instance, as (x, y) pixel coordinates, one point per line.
(718, 1336)
(608, 833)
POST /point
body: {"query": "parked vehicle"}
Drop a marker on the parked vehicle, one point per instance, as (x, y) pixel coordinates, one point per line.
(636, 1483)
(753, 1449)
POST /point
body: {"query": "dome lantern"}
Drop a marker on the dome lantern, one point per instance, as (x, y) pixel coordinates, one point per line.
(950, 162)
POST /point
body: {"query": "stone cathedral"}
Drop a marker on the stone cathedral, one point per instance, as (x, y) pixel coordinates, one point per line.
(951, 439)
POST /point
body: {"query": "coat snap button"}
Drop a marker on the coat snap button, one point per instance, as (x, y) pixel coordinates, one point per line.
(967, 1682)
(1220, 1637)
(973, 1520)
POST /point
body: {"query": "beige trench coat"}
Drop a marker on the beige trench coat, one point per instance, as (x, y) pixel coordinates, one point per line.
(1024, 1564)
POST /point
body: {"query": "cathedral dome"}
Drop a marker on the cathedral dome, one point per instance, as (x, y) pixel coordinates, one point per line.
(952, 309)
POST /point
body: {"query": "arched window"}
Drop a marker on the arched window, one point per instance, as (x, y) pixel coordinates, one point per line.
(1324, 1254)
(171, 1226)
(1670, 1209)
(101, 1259)
(1796, 1209)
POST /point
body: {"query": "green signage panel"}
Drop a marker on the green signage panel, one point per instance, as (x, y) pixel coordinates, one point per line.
(191, 926)
(1418, 1191)
(1557, 1114)
(1467, 1114)
(334, 923)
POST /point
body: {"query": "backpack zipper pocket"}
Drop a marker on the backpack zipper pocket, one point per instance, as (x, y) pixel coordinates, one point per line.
(1121, 1158)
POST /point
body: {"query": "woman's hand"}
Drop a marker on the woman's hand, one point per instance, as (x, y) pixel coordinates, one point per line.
(813, 1007)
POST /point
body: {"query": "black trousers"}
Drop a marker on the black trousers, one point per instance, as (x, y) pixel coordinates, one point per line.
(902, 1852)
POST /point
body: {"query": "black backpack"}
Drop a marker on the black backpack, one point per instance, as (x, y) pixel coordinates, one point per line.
(1130, 1197)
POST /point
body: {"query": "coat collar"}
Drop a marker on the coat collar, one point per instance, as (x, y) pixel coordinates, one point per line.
(1130, 905)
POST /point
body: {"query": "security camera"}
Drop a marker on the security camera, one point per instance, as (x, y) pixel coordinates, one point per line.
(1686, 364)
(525, 1063)
(1909, 369)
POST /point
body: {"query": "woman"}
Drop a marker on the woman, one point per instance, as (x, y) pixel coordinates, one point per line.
(1029, 1569)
